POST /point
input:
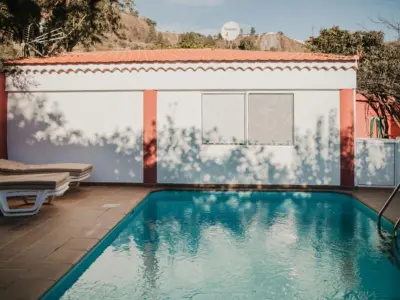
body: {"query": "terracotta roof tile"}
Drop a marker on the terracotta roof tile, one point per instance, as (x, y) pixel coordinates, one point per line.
(179, 55)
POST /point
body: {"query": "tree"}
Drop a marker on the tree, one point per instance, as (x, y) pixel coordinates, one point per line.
(247, 43)
(152, 36)
(190, 40)
(129, 6)
(209, 42)
(83, 21)
(391, 25)
(252, 31)
(378, 77)
(161, 42)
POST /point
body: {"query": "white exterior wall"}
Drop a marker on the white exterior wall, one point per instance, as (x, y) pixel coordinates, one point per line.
(104, 129)
(72, 117)
(183, 77)
(377, 162)
(314, 158)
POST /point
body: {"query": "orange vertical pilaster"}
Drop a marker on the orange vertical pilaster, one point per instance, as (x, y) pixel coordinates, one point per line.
(150, 137)
(347, 138)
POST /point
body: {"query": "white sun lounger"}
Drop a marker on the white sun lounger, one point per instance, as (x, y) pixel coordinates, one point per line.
(40, 186)
(77, 172)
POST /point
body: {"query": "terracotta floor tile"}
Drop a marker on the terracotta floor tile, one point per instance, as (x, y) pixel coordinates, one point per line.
(80, 244)
(78, 224)
(17, 262)
(9, 276)
(33, 254)
(93, 232)
(111, 216)
(43, 248)
(49, 271)
(122, 209)
(64, 255)
(24, 289)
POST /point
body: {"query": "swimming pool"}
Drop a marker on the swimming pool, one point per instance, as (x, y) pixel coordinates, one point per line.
(239, 245)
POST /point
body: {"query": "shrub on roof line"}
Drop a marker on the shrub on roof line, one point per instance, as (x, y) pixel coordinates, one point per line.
(191, 40)
(247, 43)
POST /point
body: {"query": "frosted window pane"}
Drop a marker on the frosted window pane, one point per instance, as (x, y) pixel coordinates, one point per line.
(223, 118)
(270, 119)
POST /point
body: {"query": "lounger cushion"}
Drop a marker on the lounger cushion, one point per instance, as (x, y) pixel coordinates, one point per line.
(33, 181)
(9, 167)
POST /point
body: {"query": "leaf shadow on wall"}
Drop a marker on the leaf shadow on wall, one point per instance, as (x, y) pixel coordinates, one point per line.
(41, 134)
(182, 158)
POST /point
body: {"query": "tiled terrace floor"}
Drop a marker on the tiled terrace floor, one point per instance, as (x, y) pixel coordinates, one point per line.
(36, 251)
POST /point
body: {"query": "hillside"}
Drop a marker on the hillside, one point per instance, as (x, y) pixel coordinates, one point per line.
(138, 33)
(141, 33)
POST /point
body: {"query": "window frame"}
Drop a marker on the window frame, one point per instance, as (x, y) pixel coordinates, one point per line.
(248, 93)
(246, 117)
(245, 120)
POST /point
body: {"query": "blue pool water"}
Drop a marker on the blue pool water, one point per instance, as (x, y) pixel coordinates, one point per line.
(240, 245)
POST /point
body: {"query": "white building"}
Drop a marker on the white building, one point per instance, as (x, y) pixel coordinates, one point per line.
(187, 116)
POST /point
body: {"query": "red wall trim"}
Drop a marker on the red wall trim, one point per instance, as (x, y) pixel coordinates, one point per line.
(3, 117)
(347, 138)
(150, 137)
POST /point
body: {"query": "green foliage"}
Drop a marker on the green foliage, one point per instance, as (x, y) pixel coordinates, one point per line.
(247, 43)
(195, 40)
(252, 31)
(151, 22)
(152, 36)
(128, 6)
(161, 42)
(83, 21)
(337, 41)
(378, 74)
(209, 42)
(219, 37)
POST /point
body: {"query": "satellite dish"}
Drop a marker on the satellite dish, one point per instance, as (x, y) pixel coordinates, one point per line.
(230, 31)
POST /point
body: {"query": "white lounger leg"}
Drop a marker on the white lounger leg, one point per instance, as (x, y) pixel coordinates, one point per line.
(41, 196)
(7, 211)
(77, 180)
(28, 200)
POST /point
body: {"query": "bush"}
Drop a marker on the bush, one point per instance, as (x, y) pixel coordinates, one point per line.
(247, 44)
(209, 42)
(151, 22)
(161, 42)
(191, 40)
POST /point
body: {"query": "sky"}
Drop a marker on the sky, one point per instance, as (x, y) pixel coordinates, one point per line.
(297, 19)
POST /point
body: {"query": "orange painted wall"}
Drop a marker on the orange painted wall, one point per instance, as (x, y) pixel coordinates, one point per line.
(347, 138)
(363, 116)
(150, 137)
(3, 117)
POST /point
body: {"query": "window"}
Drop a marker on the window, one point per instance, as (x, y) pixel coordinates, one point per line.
(270, 119)
(223, 119)
(253, 119)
